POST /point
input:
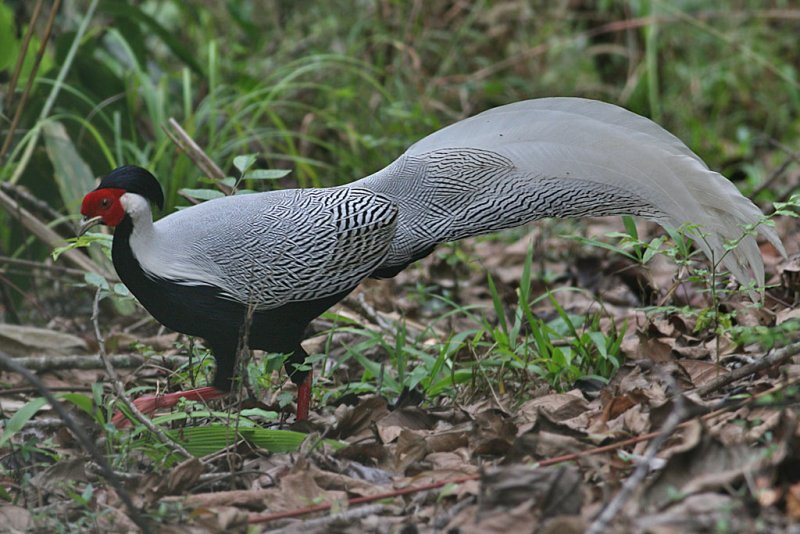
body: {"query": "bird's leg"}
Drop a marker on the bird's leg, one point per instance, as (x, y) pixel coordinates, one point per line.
(304, 396)
(303, 378)
(150, 403)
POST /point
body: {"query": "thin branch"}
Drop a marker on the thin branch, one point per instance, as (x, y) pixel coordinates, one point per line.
(120, 389)
(36, 205)
(46, 234)
(66, 64)
(50, 362)
(184, 141)
(76, 429)
(28, 264)
(776, 357)
(23, 52)
(32, 75)
(676, 417)
(329, 522)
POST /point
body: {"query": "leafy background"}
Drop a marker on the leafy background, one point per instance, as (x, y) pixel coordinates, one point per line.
(333, 91)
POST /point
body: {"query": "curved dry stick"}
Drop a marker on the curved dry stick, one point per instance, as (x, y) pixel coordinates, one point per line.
(120, 389)
(9, 363)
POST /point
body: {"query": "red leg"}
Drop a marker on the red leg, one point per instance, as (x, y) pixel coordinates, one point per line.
(150, 403)
(304, 397)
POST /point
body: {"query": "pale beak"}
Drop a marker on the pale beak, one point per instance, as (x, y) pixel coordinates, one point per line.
(86, 224)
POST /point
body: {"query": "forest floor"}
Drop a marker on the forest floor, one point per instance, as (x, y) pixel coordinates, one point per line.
(696, 431)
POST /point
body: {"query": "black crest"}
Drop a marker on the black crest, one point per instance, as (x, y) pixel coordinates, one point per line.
(135, 180)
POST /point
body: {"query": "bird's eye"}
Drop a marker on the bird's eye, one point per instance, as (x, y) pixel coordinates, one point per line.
(105, 202)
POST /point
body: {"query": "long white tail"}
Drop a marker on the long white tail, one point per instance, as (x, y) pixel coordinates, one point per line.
(562, 157)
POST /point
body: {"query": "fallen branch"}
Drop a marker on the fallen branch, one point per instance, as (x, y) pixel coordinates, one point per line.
(327, 523)
(45, 234)
(776, 357)
(94, 361)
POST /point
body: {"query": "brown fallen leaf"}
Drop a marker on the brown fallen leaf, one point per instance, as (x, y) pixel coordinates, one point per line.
(15, 518)
(18, 340)
(353, 421)
(557, 490)
(707, 466)
(704, 512)
(560, 406)
(521, 519)
(793, 502)
(299, 489)
(411, 448)
(701, 372)
(539, 445)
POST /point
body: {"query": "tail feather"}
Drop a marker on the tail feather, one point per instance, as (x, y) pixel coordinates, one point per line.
(562, 157)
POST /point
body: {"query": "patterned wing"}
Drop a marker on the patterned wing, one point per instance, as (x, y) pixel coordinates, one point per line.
(297, 245)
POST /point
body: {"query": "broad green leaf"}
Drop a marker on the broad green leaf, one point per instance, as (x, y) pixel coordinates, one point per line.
(73, 176)
(94, 279)
(202, 194)
(84, 402)
(260, 412)
(85, 240)
(18, 420)
(203, 440)
(266, 174)
(121, 290)
(128, 12)
(244, 162)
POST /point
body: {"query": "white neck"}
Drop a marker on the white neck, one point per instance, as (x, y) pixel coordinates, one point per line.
(159, 252)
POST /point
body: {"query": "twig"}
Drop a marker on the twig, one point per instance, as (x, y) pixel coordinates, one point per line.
(120, 390)
(777, 173)
(676, 417)
(23, 51)
(325, 523)
(21, 390)
(32, 75)
(182, 139)
(39, 265)
(51, 362)
(776, 357)
(9, 363)
(46, 234)
(66, 64)
(37, 206)
(266, 518)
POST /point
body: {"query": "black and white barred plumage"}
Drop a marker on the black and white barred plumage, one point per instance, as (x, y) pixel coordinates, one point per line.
(562, 157)
(286, 256)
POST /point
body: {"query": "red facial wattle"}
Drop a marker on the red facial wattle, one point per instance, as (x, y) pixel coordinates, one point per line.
(104, 203)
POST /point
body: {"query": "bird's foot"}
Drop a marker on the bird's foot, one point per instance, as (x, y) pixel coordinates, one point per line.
(150, 403)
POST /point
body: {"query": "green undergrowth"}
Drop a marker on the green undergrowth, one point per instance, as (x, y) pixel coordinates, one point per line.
(321, 93)
(336, 90)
